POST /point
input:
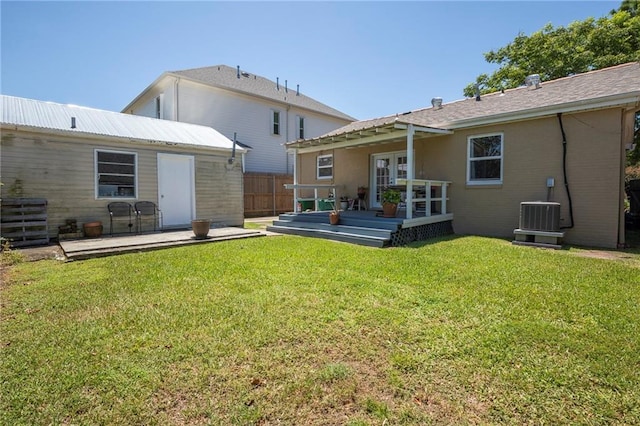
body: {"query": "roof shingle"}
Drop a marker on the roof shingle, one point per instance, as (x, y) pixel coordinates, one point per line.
(581, 90)
(226, 77)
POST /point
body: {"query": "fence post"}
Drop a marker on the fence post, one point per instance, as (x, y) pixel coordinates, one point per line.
(273, 179)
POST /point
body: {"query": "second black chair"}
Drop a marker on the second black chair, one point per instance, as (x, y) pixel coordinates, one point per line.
(149, 210)
(120, 210)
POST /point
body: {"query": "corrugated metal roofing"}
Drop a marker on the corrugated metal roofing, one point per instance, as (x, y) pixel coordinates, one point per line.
(48, 116)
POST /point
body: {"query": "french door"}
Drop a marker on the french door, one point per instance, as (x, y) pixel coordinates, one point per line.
(386, 168)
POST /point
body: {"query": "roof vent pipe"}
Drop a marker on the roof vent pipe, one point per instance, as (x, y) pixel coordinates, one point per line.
(285, 86)
(277, 83)
(73, 122)
(477, 87)
(297, 90)
(532, 80)
(238, 72)
(436, 103)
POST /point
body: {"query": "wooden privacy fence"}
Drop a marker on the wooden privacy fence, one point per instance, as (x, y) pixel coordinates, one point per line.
(265, 195)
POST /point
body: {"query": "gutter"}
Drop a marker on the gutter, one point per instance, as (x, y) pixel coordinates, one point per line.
(98, 137)
(176, 101)
(632, 98)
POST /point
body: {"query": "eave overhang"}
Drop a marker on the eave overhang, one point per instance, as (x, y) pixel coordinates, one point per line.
(10, 129)
(625, 100)
(390, 132)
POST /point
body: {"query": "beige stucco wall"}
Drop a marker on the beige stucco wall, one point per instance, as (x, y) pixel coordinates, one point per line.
(61, 169)
(532, 153)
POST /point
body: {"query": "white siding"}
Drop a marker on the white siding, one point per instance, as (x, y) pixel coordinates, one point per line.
(248, 116)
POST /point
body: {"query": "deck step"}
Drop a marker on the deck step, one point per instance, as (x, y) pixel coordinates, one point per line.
(347, 220)
(342, 228)
(347, 237)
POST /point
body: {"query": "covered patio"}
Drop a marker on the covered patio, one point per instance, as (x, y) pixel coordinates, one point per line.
(423, 212)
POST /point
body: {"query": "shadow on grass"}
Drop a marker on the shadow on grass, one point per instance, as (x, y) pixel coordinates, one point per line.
(435, 240)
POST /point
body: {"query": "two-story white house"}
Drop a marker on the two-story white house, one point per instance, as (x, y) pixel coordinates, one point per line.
(261, 113)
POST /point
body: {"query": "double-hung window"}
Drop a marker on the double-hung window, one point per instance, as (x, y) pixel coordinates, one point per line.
(275, 122)
(485, 159)
(300, 127)
(325, 166)
(116, 174)
(159, 106)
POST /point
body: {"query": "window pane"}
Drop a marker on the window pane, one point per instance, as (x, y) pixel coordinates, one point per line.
(325, 172)
(325, 161)
(402, 168)
(276, 122)
(487, 146)
(116, 174)
(122, 169)
(116, 157)
(485, 169)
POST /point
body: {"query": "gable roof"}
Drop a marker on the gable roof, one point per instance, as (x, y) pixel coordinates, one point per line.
(225, 77)
(40, 116)
(614, 86)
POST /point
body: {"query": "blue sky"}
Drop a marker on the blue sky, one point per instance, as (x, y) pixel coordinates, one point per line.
(367, 59)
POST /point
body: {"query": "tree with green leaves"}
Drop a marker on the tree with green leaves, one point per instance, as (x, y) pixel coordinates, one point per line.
(555, 52)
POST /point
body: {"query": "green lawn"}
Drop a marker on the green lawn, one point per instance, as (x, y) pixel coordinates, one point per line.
(289, 330)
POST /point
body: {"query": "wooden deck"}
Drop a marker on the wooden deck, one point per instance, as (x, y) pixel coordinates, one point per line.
(97, 247)
(364, 227)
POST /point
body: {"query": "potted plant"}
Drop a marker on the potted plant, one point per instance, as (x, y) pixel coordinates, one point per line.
(362, 192)
(334, 214)
(390, 200)
(201, 228)
(92, 229)
(344, 203)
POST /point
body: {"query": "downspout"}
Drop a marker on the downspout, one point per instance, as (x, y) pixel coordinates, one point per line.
(176, 114)
(564, 172)
(286, 136)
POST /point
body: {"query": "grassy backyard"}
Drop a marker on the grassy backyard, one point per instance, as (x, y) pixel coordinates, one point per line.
(288, 330)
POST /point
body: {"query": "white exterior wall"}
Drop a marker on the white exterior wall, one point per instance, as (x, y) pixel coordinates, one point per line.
(249, 117)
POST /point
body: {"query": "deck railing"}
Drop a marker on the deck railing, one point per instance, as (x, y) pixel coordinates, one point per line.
(415, 185)
(330, 191)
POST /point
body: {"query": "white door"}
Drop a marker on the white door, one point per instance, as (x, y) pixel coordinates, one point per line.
(386, 169)
(176, 189)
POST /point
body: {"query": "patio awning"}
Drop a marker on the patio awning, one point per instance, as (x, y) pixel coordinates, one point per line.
(379, 131)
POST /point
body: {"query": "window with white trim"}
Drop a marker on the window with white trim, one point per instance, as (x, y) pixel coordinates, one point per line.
(325, 166)
(158, 105)
(484, 159)
(275, 122)
(300, 127)
(116, 174)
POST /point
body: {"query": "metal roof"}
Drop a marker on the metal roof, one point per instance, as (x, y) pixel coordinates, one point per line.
(34, 115)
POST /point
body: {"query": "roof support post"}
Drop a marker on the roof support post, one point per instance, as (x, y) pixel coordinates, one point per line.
(295, 181)
(410, 172)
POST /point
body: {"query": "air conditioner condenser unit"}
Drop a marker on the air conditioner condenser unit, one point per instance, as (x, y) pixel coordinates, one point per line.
(540, 216)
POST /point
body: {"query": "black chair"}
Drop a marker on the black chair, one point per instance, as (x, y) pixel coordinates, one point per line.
(120, 210)
(148, 209)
